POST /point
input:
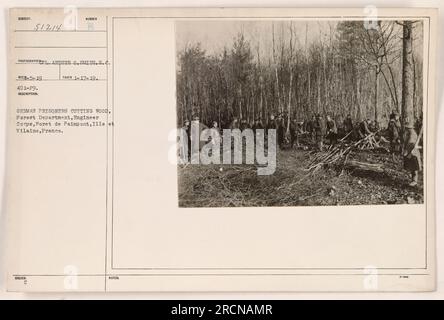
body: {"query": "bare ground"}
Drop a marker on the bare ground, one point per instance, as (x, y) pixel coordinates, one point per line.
(292, 185)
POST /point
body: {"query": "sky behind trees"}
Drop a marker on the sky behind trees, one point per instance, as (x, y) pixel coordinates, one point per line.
(249, 69)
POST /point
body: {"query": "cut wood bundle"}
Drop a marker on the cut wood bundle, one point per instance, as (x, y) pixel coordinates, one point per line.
(338, 155)
(371, 144)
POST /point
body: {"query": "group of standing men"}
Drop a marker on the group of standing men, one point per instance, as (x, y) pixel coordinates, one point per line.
(319, 129)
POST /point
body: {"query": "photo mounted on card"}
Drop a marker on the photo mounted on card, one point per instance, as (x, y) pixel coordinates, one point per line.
(232, 149)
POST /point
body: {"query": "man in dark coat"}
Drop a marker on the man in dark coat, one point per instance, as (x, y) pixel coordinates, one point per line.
(319, 130)
(271, 124)
(257, 125)
(364, 129)
(309, 128)
(280, 127)
(332, 131)
(418, 124)
(393, 136)
(294, 133)
(244, 125)
(394, 115)
(348, 124)
(308, 125)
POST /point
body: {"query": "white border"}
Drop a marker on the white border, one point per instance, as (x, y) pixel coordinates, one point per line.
(439, 294)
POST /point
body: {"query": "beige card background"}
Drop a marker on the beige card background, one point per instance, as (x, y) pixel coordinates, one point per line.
(109, 205)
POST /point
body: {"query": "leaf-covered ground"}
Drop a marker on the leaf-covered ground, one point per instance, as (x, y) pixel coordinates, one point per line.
(291, 185)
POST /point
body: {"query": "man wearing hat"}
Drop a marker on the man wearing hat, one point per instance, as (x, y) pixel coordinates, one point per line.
(271, 123)
(294, 133)
(319, 130)
(244, 125)
(364, 129)
(393, 135)
(348, 124)
(257, 124)
(332, 130)
(412, 157)
(280, 130)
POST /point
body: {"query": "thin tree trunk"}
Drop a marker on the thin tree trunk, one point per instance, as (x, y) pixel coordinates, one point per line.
(240, 103)
(276, 70)
(291, 78)
(308, 69)
(319, 90)
(376, 92)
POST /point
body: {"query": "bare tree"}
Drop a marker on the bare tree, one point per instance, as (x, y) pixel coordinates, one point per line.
(407, 74)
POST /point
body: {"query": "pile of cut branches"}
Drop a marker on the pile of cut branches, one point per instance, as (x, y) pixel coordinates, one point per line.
(338, 154)
(372, 144)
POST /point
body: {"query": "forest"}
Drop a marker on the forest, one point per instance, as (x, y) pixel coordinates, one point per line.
(297, 70)
(347, 69)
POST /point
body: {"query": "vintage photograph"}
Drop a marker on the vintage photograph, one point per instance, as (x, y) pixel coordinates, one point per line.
(299, 112)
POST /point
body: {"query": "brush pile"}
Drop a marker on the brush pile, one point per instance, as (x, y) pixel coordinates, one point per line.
(361, 182)
(337, 155)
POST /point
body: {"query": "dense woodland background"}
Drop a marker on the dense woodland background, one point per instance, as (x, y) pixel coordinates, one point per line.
(345, 68)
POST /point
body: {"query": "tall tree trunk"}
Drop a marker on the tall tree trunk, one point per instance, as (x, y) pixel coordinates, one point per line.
(261, 111)
(276, 71)
(319, 90)
(308, 70)
(376, 92)
(289, 102)
(407, 75)
(309, 89)
(415, 109)
(290, 63)
(357, 94)
(240, 103)
(324, 73)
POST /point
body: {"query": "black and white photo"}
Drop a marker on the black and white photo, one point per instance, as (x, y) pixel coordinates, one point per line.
(331, 111)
